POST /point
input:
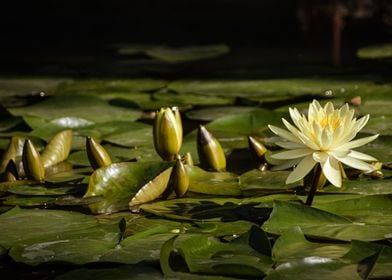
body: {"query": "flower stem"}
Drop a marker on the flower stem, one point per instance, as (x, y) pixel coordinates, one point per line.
(316, 181)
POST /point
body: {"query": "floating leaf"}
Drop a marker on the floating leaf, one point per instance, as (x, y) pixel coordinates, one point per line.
(214, 183)
(119, 272)
(292, 245)
(310, 268)
(187, 54)
(81, 106)
(321, 224)
(119, 182)
(376, 52)
(204, 254)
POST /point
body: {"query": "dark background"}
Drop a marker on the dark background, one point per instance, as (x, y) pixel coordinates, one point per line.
(73, 37)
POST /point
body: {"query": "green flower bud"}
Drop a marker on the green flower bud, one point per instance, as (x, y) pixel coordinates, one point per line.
(210, 152)
(180, 179)
(187, 159)
(11, 172)
(258, 151)
(97, 155)
(167, 133)
(32, 163)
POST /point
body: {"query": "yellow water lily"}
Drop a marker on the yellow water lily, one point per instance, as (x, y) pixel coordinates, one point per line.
(324, 137)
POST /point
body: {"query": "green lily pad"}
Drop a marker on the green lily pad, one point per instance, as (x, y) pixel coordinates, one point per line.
(256, 181)
(204, 254)
(363, 186)
(376, 52)
(119, 182)
(28, 201)
(310, 268)
(321, 224)
(326, 87)
(213, 183)
(213, 113)
(381, 148)
(76, 251)
(42, 190)
(19, 225)
(122, 272)
(292, 245)
(364, 253)
(187, 54)
(186, 99)
(80, 106)
(232, 131)
(108, 86)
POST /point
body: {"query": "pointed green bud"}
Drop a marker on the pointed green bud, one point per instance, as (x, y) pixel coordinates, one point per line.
(11, 172)
(187, 159)
(179, 178)
(97, 155)
(58, 148)
(167, 133)
(14, 149)
(32, 163)
(258, 151)
(210, 152)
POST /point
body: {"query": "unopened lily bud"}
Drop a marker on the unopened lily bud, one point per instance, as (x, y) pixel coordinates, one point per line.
(14, 148)
(187, 159)
(97, 155)
(180, 179)
(258, 151)
(11, 172)
(210, 152)
(32, 163)
(167, 133)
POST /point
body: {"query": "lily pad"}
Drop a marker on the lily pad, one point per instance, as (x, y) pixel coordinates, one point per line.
(187, 54)
(321, 224)
(19, 225)
(104, 86)
(119, 182)
(186, 99)
(213, 113)
(292, 245)
(122, 272)
(376, 52)
(213, 183)
(86, 107)
(258, 182)
(222, 258)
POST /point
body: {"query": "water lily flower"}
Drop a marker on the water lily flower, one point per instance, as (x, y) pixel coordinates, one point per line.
(324, 137)
(167, 133)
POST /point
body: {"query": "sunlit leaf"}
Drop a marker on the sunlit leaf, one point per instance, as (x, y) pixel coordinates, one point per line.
(119, 182)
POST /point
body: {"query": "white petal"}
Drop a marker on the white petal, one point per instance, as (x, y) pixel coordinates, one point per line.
(356, 163)
(357, 143)
(303, 168)
(331, 171)
(290, 145)
(291, 154)
(320, 156)
(324, 138)
(361, 156)
(362, 122)
(306, 140)
(284, 134)
(286, 165)
(328, 108)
